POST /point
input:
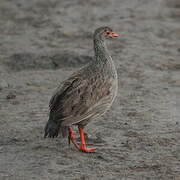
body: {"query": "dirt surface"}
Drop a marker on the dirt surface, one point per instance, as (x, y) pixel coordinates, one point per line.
(43, 41)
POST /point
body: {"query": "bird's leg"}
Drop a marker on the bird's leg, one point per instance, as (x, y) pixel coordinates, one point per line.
(71, 137)
(82, 146)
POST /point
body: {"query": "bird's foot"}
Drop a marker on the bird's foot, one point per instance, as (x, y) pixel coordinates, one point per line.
(83, 148)
(72, 138)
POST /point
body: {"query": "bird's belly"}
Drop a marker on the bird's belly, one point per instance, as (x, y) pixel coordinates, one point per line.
(112, 95)
(100, 108)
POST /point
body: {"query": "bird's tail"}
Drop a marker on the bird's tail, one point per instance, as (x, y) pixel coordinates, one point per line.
(53, 128)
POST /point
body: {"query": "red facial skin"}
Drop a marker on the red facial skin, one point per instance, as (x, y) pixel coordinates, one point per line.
(111, 34)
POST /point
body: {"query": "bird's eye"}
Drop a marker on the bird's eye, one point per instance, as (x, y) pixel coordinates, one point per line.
(107, 32)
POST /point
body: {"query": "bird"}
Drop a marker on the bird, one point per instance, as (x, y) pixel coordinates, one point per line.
(87, 94)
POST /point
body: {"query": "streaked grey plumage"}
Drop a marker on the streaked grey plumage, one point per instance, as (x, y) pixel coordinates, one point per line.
(86, 94)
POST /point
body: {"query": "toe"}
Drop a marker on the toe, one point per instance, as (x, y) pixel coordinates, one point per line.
(88, 150)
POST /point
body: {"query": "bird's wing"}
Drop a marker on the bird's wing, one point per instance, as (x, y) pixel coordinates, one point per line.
(76, 98)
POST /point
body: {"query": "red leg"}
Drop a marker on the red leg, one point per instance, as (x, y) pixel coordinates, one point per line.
(82, 146)
(72, 137)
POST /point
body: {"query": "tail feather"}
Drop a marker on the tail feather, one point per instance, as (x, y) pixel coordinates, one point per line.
(51, 129)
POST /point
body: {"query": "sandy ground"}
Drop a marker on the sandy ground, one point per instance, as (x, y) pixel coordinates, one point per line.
(43, 41)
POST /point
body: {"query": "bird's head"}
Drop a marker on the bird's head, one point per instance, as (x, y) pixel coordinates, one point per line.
(104, 33)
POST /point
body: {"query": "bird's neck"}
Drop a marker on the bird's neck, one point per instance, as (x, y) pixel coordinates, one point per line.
(103, 59)
(101, 51)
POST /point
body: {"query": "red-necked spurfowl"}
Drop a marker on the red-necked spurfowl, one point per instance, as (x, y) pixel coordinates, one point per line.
(85, 95)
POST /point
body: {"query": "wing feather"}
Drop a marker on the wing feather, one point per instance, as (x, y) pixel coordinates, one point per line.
(80, 97)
